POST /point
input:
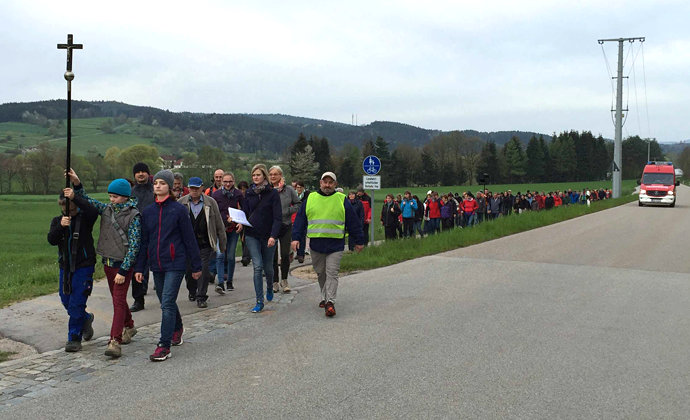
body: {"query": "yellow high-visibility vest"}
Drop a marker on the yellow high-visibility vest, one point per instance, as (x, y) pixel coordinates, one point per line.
(326, 216)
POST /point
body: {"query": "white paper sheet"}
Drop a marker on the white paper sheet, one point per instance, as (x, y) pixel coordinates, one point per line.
(238, 216)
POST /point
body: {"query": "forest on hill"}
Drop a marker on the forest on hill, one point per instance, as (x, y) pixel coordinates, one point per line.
(246, 133)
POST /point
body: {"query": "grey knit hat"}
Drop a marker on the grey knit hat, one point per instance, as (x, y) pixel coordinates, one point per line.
(167, 176)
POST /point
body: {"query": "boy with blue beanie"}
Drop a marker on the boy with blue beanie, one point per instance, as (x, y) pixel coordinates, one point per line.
(118, 245)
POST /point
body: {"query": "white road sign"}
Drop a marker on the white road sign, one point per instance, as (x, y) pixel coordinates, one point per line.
(371, 182)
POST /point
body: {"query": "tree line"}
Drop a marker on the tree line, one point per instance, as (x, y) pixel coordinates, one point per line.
(455, 158)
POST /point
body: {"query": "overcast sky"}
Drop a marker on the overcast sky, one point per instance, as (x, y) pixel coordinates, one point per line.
(513, 65)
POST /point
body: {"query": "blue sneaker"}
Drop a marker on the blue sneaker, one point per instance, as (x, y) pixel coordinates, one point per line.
(269, 294)
(258, 308)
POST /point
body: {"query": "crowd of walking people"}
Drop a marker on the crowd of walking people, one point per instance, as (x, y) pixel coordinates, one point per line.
(407, 216)
(157, 224)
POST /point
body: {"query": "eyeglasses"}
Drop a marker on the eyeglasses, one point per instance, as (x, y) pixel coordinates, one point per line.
(228, 182)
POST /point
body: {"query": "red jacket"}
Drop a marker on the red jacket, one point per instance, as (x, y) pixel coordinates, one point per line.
(367, 210)
(540, 200)
(557, 201)
(469, 206)
(433, 209)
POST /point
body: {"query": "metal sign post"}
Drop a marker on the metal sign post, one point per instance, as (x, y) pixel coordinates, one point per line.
(69, 76)
(371, 166)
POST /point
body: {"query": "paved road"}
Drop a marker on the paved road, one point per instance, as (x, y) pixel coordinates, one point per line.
(43, 320)
(587, 319)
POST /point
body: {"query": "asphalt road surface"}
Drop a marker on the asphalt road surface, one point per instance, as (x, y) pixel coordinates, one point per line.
(586, 319)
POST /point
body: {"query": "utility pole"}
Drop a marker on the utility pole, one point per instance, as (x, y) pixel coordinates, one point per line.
(618, 141)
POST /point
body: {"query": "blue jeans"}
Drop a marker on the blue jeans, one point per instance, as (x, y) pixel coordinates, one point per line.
(433, 226)
(226, 262)
(418, 228)
(470, 219)
(262, 260)
(167, 288)
(75, 302)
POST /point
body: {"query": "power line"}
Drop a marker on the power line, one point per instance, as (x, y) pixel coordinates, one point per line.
(644, 78)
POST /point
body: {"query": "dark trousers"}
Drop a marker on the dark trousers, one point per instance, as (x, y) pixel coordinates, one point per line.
(480, 217)
(408, 226)
(122, 317)
(284, 251)
(75, 302)
(199, 288)
(366, 234)
(139, 289)
(302, 246)
(391, 231)
(446, 224)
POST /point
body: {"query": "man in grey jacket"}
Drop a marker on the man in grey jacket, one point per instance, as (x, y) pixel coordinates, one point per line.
(494, 206)
(210, 236)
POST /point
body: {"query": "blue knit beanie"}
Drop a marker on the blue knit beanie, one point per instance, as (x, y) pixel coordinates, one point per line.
(120, 187)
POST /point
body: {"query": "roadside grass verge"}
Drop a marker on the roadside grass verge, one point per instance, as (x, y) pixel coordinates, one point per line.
(393, 252)
(5, 355)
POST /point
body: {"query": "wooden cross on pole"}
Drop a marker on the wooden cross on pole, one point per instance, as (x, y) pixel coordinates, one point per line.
(69, 76)
(69, 46)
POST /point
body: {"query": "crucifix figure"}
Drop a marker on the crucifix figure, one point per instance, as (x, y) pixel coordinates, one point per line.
(69, 76)
(69, 46)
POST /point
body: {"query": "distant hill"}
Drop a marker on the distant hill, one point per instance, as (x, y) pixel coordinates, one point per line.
(241, 132)
(674, 148)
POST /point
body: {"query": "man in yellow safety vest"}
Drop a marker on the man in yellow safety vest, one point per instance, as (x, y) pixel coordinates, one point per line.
(325, 216)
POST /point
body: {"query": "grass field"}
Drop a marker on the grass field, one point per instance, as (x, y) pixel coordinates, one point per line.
(28, 264)
(86, 134)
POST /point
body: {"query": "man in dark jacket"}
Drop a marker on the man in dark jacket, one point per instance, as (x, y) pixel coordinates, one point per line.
(359, 210)
(229, 197)
(481, 207)
(72, 233)
(325, 217)
(143, 191)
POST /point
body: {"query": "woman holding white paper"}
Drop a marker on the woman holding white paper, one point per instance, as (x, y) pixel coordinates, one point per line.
(264, 213)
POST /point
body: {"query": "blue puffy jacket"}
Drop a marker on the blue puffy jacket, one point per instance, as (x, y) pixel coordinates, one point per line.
(167, 238)
(408, 208)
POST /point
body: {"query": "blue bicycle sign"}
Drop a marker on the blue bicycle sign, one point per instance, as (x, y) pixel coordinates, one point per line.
(371, 165)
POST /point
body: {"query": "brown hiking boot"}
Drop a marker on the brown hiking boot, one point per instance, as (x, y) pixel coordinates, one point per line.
(285, 286)
(127, 335)
(114, 349)
(275, 287)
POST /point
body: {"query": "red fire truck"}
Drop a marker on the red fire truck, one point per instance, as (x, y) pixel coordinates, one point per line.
(658, 185)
